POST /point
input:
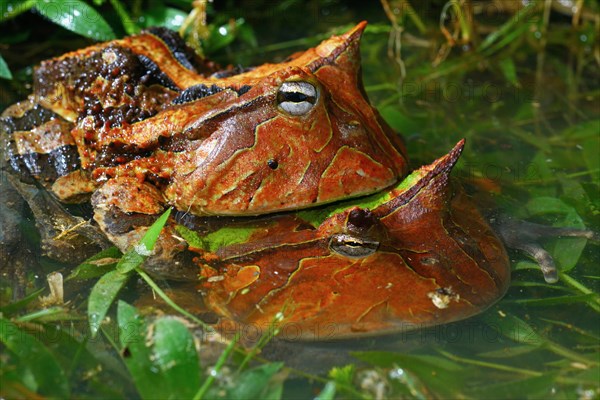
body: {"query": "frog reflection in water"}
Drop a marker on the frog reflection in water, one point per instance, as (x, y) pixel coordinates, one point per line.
(275, 153)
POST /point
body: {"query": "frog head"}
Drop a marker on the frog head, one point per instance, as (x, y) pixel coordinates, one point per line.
(286, 136)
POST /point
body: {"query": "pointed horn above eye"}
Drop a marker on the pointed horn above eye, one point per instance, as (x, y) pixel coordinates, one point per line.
(313, 58)
(357, 30)
(337, 44)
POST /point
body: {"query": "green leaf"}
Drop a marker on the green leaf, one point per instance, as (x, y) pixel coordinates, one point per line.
(76, 16)
(509, 352)
(246, 35)
(4, 70)
(540, 168)
(192, 238)
(81, 359)
(215, 240)
(589, 376)
(46, 375)
(343, 375)
(535, 387)
(175, 356)
(584, 130)
(399, 121)
(227, 236)
(102, 296)
(12, 308)
(161, 358)
(131, 260)
(509, 70)
(551, 301)
(567, 251)
(137, 355)
(257, 383)
(136, 256)
(97, 265)
(12, 8)
(508, 28)
(547, 205)
(514, 329)
(153, 232)
(591, 157)
(168, 17)
(439, 374)
(527, 137)
(525, 265)
(130, 27)
(221, 36)
(328, 392)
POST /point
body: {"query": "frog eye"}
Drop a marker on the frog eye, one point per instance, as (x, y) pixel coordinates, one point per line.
(297, 97)
(352, 246)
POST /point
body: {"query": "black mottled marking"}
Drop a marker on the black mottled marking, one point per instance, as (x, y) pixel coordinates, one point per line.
(117, 153)
(175, 143)
(35, 116)
(45, 166)
(226, 73)
(200, 91)
(243, 89)
(111, 117)
(77, 75)
(196, 92)
(181, 51)
(156, 74)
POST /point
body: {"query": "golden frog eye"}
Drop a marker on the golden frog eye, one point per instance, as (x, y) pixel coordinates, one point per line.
(352, 246)
(297, 97)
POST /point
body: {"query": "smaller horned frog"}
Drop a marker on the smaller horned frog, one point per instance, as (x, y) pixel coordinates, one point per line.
(138, 125)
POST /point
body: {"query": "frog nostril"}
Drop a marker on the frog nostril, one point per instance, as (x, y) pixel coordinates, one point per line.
(273, 164)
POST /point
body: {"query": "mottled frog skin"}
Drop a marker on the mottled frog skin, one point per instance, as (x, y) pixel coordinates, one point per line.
(141, 124)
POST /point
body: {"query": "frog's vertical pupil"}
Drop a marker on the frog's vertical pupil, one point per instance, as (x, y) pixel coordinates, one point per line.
(273, 164)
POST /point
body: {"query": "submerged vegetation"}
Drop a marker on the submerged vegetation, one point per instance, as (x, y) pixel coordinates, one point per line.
(520, 82)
